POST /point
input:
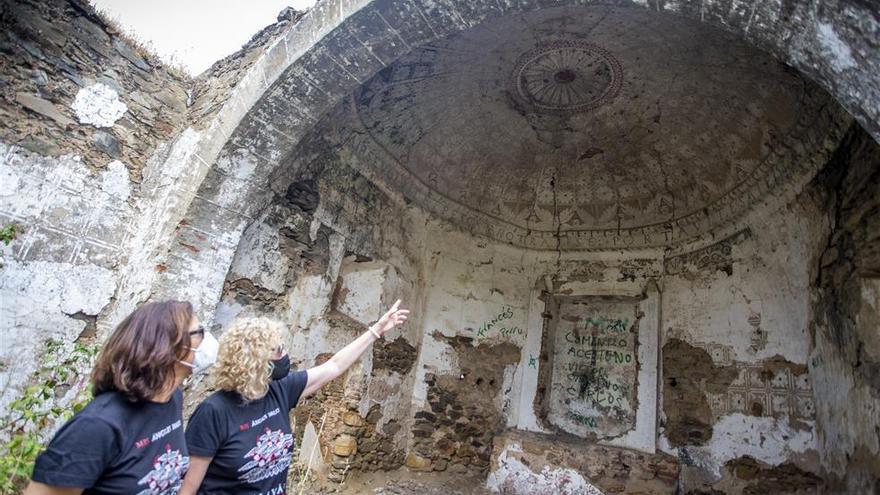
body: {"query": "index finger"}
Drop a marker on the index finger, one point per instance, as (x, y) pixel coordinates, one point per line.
(395, 306)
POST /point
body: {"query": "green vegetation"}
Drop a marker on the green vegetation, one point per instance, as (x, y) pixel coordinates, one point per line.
(29, 417)
(9, 232)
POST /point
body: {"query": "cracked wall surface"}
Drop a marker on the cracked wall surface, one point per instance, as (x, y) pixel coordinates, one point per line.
(844, 360)
(330, 167)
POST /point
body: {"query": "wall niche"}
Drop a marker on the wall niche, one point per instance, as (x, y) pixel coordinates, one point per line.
(598, 371)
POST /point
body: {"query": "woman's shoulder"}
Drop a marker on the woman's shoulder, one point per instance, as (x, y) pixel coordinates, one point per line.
(106, 412)
(115, 407)
(288, 389)
(110, 401)
(219, 400)
(222, 400)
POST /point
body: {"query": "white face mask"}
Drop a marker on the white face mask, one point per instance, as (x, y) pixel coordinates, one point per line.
(206, 354)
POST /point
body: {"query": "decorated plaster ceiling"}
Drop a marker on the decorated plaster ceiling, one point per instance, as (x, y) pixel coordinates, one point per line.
(588, 127)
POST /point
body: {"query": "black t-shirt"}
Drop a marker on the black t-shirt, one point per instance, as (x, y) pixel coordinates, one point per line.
(114, 446)
(251, 442)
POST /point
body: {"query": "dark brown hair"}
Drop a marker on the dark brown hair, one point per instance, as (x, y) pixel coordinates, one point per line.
(138, 359)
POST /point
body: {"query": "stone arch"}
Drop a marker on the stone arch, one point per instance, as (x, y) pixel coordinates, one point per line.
(337, 46)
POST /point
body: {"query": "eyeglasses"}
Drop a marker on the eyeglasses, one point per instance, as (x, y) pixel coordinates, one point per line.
(198, 331)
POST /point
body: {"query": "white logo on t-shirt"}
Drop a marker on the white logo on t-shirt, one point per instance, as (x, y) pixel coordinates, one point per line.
(167, 474)
(271, 456)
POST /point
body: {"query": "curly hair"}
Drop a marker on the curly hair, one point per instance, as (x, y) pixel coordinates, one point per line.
(138, 359)
(246, 348)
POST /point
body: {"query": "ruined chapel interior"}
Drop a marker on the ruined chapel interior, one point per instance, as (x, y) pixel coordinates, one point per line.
(640, 239)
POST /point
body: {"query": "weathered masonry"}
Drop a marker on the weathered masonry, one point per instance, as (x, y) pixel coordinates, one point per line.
(639, 239)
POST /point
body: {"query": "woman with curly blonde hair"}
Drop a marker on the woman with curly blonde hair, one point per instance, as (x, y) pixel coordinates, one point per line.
(246, 359)
(239, 438)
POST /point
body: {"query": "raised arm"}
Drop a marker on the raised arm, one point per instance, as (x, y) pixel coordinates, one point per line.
(342, 360)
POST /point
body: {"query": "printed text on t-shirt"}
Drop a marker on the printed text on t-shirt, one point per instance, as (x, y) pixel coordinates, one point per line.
(265, 417)
(143, 442)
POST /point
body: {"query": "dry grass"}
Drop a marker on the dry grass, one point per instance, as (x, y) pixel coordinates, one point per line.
(144, 48)
(304, 475)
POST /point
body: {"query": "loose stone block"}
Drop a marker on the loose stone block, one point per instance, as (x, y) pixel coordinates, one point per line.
(345, 445)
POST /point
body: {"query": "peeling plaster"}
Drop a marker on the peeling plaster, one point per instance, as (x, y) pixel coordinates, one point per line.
(115, 180)
(769, 440)
(259, 259)
(36, 298)
(513, 477)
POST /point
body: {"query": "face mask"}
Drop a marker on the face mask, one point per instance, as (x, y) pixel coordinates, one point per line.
(206, 354)
(280, 367)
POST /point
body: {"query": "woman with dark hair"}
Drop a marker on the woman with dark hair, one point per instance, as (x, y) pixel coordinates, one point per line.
(129, 439)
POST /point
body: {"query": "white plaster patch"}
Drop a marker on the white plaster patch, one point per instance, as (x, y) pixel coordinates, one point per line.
(36, 287)
(769, 440)
(9, 180)
(258, 258)
(514, 477)
(840, 53)
(508, 400)
(114, 180)
(362, 289)
(98, 105)
(205, 301)
(35, 300)
(769, 289)
(308, 300)
(239, 164)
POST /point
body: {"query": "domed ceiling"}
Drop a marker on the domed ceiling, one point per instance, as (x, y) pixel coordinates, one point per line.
(588, 128)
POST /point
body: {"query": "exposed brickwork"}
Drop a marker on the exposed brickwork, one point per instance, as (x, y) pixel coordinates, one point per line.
(397, 356)
(377, 449)
(463, 417)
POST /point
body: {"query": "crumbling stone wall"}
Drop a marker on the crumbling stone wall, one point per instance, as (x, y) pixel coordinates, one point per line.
(97, 169)
(53, 54)
(213, 88)
(333, 412)
(751, 477)
(845, 360)
(83, 110)
(688, 374)
(464, 414)
(327, 256)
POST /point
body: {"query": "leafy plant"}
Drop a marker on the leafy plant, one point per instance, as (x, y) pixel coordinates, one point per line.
(37, 410)
(9, 232)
